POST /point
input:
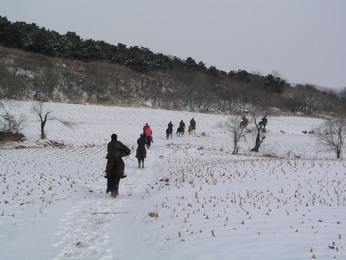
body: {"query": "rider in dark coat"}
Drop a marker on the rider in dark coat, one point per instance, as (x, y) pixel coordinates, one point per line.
(170, 125)
(182, 125)
(193, 123)
(142, 141)
(115, 150)
(264, 121)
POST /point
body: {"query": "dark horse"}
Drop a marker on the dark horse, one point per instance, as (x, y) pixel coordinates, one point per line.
(141, 154)
(149, 141)
(180, 131)
(192, 129)
(169, 132)
(114, 174)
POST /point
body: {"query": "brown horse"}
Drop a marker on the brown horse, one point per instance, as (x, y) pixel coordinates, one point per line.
(141, 154)
(192, 129)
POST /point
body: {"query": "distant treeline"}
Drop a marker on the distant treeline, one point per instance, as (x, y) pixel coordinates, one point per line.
(100, 72)
(32, 38)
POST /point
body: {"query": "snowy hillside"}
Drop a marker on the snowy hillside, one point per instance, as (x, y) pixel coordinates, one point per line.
(205, 202)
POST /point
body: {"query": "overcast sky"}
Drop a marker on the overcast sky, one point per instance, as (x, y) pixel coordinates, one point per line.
(303, 40)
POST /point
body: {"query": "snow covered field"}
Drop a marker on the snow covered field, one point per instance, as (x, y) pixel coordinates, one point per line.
(208, 203)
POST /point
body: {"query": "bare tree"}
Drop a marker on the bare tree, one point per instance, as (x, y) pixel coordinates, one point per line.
(332, 133)
(10, 123)
(44, 115)
(260, 127)
(233, 125)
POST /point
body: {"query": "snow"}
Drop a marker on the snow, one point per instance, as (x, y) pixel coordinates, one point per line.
(210, 204)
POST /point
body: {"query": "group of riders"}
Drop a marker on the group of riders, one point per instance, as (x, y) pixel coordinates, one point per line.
(244, 122)
(181, 128)
(115, 167)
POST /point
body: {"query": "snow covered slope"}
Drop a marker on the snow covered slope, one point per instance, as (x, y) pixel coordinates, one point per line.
(206, 202)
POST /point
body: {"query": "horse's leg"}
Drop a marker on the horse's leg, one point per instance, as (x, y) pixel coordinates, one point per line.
(115, 193)
(148, 142)
(117, 181)
(109, 182)
(116, 176)
(139, 163)
(111, 176)
(142, 163)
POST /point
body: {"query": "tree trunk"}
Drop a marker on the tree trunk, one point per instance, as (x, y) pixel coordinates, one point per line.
(259, 141)
(338, 153)
(43, 135)
(235, 150)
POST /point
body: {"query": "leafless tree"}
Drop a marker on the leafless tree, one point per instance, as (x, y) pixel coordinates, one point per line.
(332, 133)
(260, 127)
(45, 116)
(238, 132)
(9, 123)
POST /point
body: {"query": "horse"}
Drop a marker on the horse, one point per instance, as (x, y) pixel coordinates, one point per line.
(243, 124)
(114, 174)
(149, 141)
(192, 129)
(141, 154)
(169, 132)
(180, 131)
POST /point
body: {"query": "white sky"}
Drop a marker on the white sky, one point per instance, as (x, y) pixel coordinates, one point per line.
(303, 40)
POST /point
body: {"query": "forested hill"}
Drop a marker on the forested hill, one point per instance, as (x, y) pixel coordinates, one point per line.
(32, 38)
(52, 66)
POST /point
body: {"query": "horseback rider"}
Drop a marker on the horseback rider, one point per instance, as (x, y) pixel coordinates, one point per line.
(170, 125)
(145, 127)
(193, 123)
(148, 132)
(141, 152)
(141, 141)
(264, 121)
(244, 121)
(115, 150)
(182, 125)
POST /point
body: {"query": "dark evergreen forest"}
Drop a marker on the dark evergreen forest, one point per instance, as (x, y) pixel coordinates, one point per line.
(41, 64)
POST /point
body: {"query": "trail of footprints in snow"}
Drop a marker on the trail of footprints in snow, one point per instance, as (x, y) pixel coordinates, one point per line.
(84, 233)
